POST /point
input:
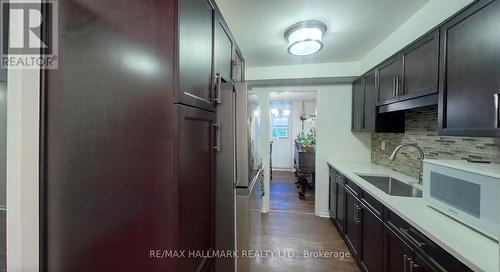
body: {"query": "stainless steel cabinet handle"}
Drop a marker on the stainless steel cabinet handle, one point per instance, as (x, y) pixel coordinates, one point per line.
(397, 86)
(405, 266)
(497, 109)
(355, 213)
(407, 235)
(394, 86)
(411, 265)
(218, 83)
(359, 210)
(217, 137)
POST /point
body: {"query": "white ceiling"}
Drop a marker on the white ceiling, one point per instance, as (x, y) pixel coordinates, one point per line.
(354, 27)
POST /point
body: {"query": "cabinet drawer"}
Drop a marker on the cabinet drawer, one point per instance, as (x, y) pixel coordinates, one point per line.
(434, 254)
(353, 187)
(339, 178)
(374, 205)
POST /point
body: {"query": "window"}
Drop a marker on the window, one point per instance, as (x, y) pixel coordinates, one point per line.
(280, 118)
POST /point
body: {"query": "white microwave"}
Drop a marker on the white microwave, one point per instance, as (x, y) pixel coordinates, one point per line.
(468, 192)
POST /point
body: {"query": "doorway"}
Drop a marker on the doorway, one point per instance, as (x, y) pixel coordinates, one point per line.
(293, 124)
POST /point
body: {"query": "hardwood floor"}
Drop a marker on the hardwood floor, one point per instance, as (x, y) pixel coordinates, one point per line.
(292, 229)
(284, 195)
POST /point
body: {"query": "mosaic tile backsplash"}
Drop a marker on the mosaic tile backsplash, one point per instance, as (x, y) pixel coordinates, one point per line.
(421, 128)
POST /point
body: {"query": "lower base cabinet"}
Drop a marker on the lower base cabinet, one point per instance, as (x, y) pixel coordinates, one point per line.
(398, 254)
(371, 255)
(379, 240)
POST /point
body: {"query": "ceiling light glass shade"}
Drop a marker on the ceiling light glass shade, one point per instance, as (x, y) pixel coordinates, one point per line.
(305, 38)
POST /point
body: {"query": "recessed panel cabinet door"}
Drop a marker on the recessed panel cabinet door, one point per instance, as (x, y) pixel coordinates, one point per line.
(341, 197)
(371, 255)
(370, 103)
(352, 223)
(195, 54)
(389, 79)
(358, 98)
(223, 51)
(421, 67)
(470, 72)
(397, 253)
(194, 187)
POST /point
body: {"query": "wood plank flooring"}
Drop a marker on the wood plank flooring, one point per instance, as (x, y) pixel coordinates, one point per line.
(292, 228)
(284, 196)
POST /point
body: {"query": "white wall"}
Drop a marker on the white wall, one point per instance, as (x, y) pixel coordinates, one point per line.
(23, 108)
(264, 100)
(339, 69)
(335, 141)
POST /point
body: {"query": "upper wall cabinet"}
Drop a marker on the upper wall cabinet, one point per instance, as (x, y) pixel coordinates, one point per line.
(358, 110)
(364, 108)
(470, 72)
(410, 74)
(390, 75)
(223, 51)
(421, 67)
(196, 78)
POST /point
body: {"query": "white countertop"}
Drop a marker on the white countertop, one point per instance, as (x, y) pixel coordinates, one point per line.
(470, 247)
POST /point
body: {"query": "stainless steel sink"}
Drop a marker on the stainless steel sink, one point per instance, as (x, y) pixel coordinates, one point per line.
(392, 186)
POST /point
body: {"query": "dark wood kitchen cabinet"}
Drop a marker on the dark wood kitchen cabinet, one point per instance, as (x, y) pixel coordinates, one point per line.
(390, 76)
(358, 107)
(365, 117)
(469, 74)
(370, 102)
(353, 210)
(196, 78)
(121, 134)
(371, 257)
(409, 79)
(194, 227)
(421, 67)
(341, 208)
(332, 196)
(380, 240)
(223, 51)
(398, 253)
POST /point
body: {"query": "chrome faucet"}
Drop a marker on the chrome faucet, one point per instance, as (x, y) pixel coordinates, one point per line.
(422, 156)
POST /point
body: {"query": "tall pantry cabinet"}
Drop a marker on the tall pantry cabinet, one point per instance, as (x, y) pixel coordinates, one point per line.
(129, 132)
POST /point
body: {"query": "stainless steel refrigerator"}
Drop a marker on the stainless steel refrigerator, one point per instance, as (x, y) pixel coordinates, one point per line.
(239, 175)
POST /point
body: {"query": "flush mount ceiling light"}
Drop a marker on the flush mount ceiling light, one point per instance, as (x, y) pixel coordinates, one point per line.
(304, 38)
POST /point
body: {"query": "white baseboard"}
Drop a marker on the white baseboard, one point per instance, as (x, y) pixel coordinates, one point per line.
(324, 215)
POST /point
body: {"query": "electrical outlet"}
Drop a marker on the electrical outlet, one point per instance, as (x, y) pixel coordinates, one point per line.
(382, 146)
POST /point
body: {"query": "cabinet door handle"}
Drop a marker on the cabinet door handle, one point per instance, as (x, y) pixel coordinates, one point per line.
(394, 86)
(217, 137)
(407, 235)
(497, 109)
(218, 83)
(412, 264)
(397, 86)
